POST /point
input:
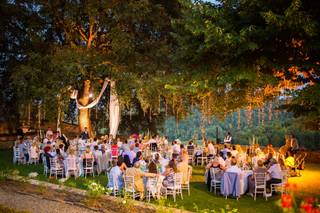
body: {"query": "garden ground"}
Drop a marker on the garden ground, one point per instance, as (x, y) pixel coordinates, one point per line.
(200, 198)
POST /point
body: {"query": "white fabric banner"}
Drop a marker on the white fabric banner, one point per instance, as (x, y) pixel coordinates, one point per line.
(74, 95)
(114, 110)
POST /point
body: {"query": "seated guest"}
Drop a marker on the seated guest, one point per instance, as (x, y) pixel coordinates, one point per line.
(59, 157)
(228, 160)
(190, 148)
(221, 160)
(88, 153)
(120, 162)
(211, 150)
(274, 172)
(198, 153)
(127, 161)
(259, 169)
(136, 147)
(125, 146)
(234, 151)
(34, 151)
(47, 154)
(268, 160)
(282, 165)
(175, 149)
(183, 166)
(152, 167)
(115, 175)
(114, 150)
(169, 173)
(96, 153)
(119, 143)
(138, 177)
(130, 153)
(224, 152)
(214, 163)
(234, 168)
(289, 162)
(138, 157)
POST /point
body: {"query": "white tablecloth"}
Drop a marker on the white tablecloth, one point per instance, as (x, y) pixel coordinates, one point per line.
(244, 180)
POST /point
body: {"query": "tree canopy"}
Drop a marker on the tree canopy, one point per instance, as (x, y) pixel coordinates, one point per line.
(168, 57)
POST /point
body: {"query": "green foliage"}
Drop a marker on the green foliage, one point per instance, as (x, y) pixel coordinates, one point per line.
(272, 132)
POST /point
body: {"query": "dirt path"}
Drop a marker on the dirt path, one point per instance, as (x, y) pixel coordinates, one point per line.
(36, 204)
(25, 197)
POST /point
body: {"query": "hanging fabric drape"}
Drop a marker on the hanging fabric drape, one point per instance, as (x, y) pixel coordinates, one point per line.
(114, 110)
(95, 101)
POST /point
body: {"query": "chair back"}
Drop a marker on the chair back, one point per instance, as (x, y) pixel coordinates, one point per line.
(152, 183)
(89, 163)
(260, 179)
(129, 183)
(178, 180)
(114, 179)
(230, 184)
(189, 173)
(213, 172)
(71, 163)
(285, 174)
(53, 163)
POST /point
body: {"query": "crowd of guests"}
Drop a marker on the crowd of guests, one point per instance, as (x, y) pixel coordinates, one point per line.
(139, 156)
(235, 159)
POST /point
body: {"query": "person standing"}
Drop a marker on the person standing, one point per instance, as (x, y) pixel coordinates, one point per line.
(228, 138)
(84, 134)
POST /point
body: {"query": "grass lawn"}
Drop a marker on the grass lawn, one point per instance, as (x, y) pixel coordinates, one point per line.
(309, 183)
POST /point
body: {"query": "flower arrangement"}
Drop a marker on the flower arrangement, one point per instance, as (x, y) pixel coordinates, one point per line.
(33, 175)
(291, 203)
(95, 189)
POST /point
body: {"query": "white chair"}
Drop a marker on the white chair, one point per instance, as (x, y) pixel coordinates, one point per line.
(16, 155)
(115, 186)
(280, 187)
(45, 166)
(151, 187)
(34, 156)
(260, 185)
(176, 188)
(202, 160)
(129, 188)
(72, 167)
(88, 167)
(190, 159)
(186, 185)
(55, 168)
(215, 183)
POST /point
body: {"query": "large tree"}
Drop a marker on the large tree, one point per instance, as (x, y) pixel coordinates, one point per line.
(240, 53)
(84, 42)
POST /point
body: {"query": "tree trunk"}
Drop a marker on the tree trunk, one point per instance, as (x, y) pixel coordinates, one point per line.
(239, 118)
(262, 116)
(270, 111)
(259, 116)
(84, 115)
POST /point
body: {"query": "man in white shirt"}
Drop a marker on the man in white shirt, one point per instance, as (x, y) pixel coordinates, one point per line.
(228, 138)
(274, 172)
(176, 149)
(234, 168)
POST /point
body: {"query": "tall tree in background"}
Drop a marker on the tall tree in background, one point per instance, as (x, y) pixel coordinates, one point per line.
(249, 47)
(86, 41)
